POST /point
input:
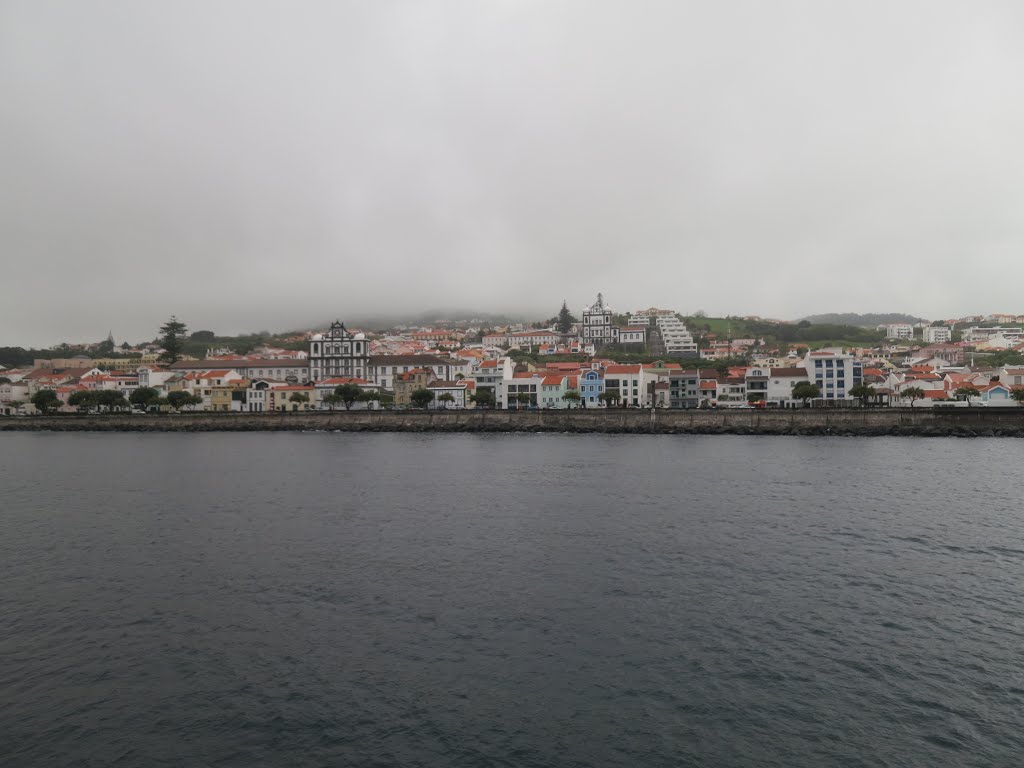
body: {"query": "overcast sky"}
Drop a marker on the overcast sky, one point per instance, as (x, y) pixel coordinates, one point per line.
(268, 165)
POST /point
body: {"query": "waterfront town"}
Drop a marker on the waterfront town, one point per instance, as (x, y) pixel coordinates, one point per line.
(644, 358)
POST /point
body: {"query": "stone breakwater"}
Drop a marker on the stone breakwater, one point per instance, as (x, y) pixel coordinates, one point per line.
(959, 422)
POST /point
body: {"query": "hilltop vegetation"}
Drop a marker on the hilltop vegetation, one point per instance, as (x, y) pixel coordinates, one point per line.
(867, 320)
(806, 332)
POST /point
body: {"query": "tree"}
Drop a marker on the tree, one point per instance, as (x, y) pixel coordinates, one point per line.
(106, 347)
(83, 400)
(805, 390)
(572, 397)
(144, 397)
(966, 392)
(4, 380)
(331, 400)
(110, 399)
(46, 400)
(446, 397)
(348, 393)
(367, 396)
(1017, 393)
(421, 398)
(298, 398)
(202, 336)
(565, 319)
(912, 394)
(178, 399)
(483, 398)
(609, 397)
(172, 338)
(862, 392)
(524, 398)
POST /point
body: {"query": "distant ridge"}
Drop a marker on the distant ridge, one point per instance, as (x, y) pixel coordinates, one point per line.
(867, 320)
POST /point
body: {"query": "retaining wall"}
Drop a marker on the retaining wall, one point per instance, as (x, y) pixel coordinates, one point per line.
(853, 421)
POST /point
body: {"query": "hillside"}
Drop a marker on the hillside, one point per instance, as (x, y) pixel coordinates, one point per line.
(867, 320)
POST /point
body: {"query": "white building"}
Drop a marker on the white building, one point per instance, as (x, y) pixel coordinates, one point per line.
(835, 373)
(675, 337)
(533, 338)
(899, 331)
(633, 334)
(382, 369)
(936, 334)
(338, 353)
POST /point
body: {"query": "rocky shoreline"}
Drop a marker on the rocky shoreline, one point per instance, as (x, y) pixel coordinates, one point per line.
(965, 422)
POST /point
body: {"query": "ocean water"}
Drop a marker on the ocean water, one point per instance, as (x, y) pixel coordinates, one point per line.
(510, 600)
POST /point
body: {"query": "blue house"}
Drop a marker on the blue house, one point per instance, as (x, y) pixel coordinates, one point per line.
(591, 387)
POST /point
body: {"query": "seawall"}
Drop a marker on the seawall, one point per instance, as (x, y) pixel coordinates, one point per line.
(960, 422)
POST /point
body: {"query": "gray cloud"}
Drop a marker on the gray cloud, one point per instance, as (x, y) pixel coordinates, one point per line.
(253, 165)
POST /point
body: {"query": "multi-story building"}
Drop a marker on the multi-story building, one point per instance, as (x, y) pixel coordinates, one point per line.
(383, 369)
(404, 384)
(835, 373)
(591, 387)
(627, 382)
(290, 371)
(936, 334)
(977, 334)
(676, 339)
(644, 316)
(951, 354)
(489, 374)
(337, 352)
(899, 331)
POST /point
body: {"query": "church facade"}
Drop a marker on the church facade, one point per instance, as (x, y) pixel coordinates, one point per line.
(338, 352)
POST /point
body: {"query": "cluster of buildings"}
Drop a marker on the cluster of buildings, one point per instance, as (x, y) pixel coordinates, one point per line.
(473, 367)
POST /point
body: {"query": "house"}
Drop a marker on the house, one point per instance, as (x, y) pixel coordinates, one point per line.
(591, 387)
(781, 382)
(1012, 377)
(996, 394)
(553, 389)
(633, 334)
(404, 384)
(522, 383)
(459, 391)
(626, 381)
(287, 397)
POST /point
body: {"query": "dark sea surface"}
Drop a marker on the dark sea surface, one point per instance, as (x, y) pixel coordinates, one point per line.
(510, 600)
